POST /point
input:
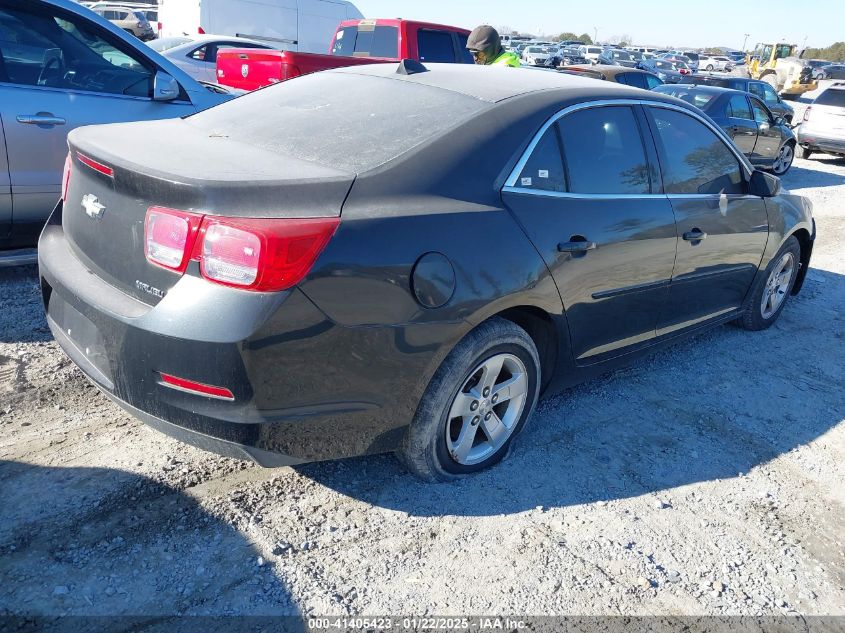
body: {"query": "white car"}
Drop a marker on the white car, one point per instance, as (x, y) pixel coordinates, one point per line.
(714, 62)
(535, 55)
(823, 127)
(197, 56)
(591, 53)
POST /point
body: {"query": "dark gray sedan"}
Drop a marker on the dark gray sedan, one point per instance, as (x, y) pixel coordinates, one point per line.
(399, 258)
(768, 141)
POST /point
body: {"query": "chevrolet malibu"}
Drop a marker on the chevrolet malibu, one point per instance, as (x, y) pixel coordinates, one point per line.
(400, 258)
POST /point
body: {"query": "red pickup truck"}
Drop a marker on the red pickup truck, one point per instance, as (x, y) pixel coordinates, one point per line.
(355, 42)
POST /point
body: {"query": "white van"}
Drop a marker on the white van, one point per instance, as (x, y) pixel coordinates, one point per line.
(294, 25)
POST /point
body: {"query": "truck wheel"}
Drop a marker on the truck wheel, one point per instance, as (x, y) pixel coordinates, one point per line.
(806, 152)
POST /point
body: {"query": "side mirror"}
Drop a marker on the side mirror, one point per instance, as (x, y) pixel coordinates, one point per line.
(765, 127)
(779, 120)
(165, 87)
(763, 185)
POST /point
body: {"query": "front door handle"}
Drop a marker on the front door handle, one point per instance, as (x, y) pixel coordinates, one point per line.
(576, 247)
(40, 119)
(696, 235)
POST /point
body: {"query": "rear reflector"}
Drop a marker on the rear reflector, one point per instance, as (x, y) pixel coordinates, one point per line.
(93, 164)
(169, 237)
(182, 384)
(66, 177)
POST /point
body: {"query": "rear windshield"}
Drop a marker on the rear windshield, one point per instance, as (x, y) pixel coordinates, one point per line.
(367, 41)
(833, 97)
(351, 122)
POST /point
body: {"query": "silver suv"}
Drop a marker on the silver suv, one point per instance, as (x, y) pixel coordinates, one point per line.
(823, 127)
(63, 66)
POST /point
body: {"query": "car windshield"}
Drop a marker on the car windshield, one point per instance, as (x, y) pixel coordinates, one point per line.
(535, 49)
(166, 43)
(620, 55)
(832, 97)
(663, 65)
(696, 98)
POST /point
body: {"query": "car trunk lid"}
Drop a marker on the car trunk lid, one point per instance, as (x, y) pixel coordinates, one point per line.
(113, 183)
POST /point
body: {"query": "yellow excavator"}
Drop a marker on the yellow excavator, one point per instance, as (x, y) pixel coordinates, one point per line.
(779, 66)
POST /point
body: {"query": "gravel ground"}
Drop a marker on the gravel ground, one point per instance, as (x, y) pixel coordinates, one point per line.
(705, 480)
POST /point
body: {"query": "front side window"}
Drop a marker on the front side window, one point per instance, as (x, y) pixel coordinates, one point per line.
(436, 46)
(40, 49)
(769, 94)
(739, 108)
(604, 152)
(761, 115)
(693, 159)
(756, 89)
(544, 169)
(637, 80)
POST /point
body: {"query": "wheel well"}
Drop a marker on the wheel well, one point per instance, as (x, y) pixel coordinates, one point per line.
(803, 237)
(542, 330)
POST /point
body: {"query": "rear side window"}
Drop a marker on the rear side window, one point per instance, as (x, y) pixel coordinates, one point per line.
(693, 159)
(544, 169)
(367, 41)
(436, 46)
(637, 80)
(832, 97)
(738, 108)
(756, 89)
(604, 151)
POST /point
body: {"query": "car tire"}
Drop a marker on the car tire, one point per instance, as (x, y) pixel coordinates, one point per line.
(709, 68)
(772, 289)
(786, 156)
(806, 152)
(446, 440)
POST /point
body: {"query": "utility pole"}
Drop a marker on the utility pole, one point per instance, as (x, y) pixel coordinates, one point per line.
(745, 41)
(595, 34)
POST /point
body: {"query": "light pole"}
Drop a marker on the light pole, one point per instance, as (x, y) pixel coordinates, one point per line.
(747, 35)
(595, 34)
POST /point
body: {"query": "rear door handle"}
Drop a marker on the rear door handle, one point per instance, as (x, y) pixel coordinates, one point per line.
(40, 119)
(576, 247)
(696, 235)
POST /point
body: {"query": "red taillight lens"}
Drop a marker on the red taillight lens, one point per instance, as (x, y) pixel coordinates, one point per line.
(262, 254)
(200, 30)
(66, 177)
(183, 384)
(169, 237)
(265, 255)
(807, 113)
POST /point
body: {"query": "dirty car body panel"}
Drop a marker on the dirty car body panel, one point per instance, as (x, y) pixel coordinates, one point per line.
(436, 231)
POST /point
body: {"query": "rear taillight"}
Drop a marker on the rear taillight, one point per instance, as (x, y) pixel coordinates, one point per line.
(288, 71)
(201, 30)
(807, 113)
(66, 177)
(265, 255)
(169, 237)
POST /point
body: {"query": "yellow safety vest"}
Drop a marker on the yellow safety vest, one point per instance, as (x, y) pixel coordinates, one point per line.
(506, 59)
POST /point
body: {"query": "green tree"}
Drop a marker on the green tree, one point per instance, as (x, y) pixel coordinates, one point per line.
(568, 36)
(585, 37)
(834, 53)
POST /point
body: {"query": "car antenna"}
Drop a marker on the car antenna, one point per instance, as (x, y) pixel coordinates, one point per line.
(410, 67)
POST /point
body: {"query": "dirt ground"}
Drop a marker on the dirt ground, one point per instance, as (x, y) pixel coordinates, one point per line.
(705, 480)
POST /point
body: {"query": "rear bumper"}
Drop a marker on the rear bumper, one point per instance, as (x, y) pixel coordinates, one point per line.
(820, 142)
(306, 389)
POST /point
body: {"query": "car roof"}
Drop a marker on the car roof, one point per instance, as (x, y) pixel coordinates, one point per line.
(496, 83)
(606, 69)
(702, 88)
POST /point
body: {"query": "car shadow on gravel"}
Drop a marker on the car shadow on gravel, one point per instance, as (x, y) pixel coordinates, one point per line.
(801, 178)
(21, 315)
(711, 408)
(98, 542)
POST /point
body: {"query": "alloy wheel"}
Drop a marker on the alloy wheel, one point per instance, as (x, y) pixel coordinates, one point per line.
(777, 286)
(486, 409)
(784, 159)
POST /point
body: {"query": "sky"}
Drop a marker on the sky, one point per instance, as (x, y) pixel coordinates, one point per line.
(693, 23)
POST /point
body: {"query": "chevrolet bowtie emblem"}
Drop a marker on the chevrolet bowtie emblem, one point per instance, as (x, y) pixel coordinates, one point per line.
(92, 206)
